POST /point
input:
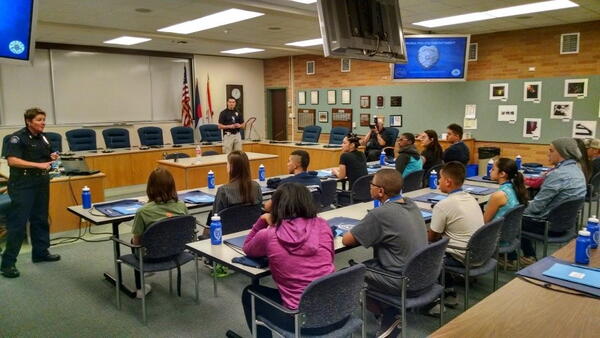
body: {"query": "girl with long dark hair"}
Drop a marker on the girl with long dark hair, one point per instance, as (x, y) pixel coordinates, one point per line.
(241, 189)
(511, 193)
(432, 154)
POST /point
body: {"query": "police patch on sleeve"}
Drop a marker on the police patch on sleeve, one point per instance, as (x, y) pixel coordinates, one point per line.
(14, 139)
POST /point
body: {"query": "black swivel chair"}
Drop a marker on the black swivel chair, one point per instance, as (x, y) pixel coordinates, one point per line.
(151, 136)
(413, 181)
(210, 133)
(81, 139)
(311, 134)
(337, 134)
(116, 138)
(182, 135)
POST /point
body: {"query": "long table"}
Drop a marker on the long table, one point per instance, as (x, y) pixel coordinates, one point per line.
(522, 309)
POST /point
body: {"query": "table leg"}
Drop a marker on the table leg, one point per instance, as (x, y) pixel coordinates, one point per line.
(214, 278)
(125, 289)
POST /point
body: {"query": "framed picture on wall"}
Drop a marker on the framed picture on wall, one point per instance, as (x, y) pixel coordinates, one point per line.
(576, 87)
(395, 101)
(301, 97)
(532, 91)
(365, 120)
(395, 120)
(314, 97)
(346, 96)
(323, 117)
(331, 97)
(561, 110)
(365, 101)
(345, 65)
(499, 91)
(379, 102)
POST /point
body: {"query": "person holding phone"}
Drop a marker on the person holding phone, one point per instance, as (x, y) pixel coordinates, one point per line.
(376, 140)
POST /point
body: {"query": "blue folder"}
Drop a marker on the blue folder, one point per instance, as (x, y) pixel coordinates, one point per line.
(324, 173)
(426, 214)
(431, 197)
(580, 275)
(485, 179)
(477, 190)
(197, 197)
(119, 208)
(238, 242)
(341, 225)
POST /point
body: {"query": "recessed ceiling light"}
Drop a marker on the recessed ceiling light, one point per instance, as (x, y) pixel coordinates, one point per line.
(143, 10)
(211, 21)
(305, 1)
(242, 51)
(498, 13)
(306, 43)
(127, 40)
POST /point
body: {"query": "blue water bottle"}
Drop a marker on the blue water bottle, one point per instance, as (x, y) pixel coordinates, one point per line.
(582, 248)
(211, 179)
(593, 227)
(261, 173)
(216, 230)
(489, 167)
(518, 162)
(86, 197)
(433, 180)
(382, 158)
(376, 203)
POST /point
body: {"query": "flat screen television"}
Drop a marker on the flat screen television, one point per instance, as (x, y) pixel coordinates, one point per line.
(434, 58)
(17, 26)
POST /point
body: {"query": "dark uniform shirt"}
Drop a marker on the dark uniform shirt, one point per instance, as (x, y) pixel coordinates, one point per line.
(24, 145)
(228, 117)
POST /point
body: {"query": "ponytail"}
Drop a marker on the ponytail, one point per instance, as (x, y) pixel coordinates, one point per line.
(518, 183)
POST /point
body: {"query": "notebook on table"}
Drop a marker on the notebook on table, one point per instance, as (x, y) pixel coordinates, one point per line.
(426, 214)
(431, 197)
(119, 208)
(197, 197)
(477, 190)
(237, 242)
(485, 179)
(341, 225)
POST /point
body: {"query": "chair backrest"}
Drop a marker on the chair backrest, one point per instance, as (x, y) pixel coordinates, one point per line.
(437, 168)
(182, 135)
(55, 140)
(337, 134)
(332, 298)
(116, 138)
(316, 193)
(595, 183)
(413, 181)
(563, 217)
(81, 139)
(511, 228)
(168, 237)
(423, 266)
(361, 189)
(311, 134)
(210, 133)
(5, 144)
(173, 156)
(150, 136)
(328, 192)
(484, 241)
(393, 133)
(209, 153)
(239, 217)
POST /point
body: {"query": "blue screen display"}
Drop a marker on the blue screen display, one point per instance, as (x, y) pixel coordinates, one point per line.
(15, 28)
(433, 58)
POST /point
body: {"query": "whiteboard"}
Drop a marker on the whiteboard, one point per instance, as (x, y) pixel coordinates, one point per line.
(167, 87)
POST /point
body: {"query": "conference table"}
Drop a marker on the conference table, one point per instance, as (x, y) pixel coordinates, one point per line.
(524, 309)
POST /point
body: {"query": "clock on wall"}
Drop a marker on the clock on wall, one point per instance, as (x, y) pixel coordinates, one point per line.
(237, 92)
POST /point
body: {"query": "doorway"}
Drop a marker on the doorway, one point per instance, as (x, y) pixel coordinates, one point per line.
(277, 114)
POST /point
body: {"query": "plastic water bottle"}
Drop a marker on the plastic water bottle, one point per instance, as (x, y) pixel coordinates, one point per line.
(582, 247)
(211, 179)
(490, 166)
(382, 158)
(216, 230)
(261, 173)
(376, 203)
(433, 180)
(198, 151)
(593, 227)
(518, 162)
(86, 197)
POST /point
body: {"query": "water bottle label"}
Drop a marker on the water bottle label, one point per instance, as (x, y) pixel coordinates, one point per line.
(596, 237)
(376, 203)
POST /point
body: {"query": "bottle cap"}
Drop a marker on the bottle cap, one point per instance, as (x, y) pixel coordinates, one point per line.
(210, 172)
(85, 188)
(433, 172)
(261, 165)
(581, 233)
(491, 161)
(518, 156)
(216, 217)
(593, 219)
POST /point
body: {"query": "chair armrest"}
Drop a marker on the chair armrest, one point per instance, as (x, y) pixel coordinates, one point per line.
(272, 303)
(120, 241)
(385, 273)
(202, 225)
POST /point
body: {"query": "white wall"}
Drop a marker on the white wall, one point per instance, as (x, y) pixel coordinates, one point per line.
(226, 70)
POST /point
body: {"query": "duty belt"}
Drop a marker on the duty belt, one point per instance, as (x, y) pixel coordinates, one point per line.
(232, 132)
(28, 172)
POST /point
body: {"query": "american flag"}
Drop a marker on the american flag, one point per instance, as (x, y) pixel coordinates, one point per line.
(186, 115)
(209, 111)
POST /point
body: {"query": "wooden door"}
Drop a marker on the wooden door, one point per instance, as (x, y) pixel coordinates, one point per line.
(278, 114)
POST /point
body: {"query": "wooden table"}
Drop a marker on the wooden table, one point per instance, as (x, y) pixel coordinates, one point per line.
(521, 309)
(192, 172)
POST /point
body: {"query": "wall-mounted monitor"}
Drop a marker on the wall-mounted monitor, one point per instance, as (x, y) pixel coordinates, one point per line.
(17, 26)
(434, 58)
(362, 29)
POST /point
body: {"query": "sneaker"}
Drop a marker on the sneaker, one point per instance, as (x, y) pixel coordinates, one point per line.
(387, 329)
(139, 293)
(10, 272)
(435, 310)
(450, 298)
(525, 261)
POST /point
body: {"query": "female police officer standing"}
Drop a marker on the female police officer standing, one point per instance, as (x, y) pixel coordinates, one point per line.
(29, 157)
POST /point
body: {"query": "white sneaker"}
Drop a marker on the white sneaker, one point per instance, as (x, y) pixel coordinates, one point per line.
(139, 294)
(435, 310)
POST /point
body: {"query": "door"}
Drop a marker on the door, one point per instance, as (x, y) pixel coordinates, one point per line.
(278, 114)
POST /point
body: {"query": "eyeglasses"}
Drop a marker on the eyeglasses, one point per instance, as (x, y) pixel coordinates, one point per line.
(376, 186)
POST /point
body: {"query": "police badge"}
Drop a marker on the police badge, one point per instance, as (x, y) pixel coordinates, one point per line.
(428, 56)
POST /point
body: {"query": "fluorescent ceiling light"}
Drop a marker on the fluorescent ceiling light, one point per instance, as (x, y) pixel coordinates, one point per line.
(499, 13)
(242, 51)
(127, 40)
(306, 43)
(211, 21)
(305, 1)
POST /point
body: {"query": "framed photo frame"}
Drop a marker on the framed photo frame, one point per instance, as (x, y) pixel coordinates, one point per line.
(331, 96)
(562, 110)
(365, 119)
(365, 101)
(345, 65)
(380, 101)
(314, 97)
(310, 68)
(532, 91)
(576, 87)
(395, 120)
(301, 97)
(346, 98)
(395, 101)
(499, 91)
(323, 117)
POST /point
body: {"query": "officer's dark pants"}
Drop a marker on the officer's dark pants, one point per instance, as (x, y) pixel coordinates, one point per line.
(29, 195)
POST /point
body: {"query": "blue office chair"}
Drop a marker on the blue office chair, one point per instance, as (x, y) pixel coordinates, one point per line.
(81, 139)
(182, 135)
(311, 134)
(116, 138)
(337, 134)
(55, 140)
(150, 136)
(210, 133)
(392, 133)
